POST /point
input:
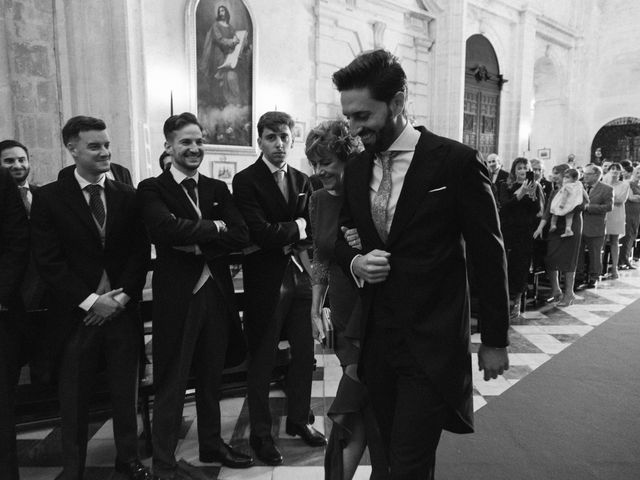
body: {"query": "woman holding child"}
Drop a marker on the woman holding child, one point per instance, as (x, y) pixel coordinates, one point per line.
(521, 198)
(562, 243)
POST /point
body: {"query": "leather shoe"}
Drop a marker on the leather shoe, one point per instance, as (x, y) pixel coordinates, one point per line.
(266, 450)
(310, 435)
(133, 470)
(228, 457)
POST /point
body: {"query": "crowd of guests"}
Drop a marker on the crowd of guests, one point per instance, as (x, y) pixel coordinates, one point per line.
(582, 222)
(388, 263)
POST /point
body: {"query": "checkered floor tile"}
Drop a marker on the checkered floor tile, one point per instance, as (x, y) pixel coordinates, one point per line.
(535, 337)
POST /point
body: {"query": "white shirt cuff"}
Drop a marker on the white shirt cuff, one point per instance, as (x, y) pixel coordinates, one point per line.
(359, 281)
(89, 301)
(122, 298)
(302, 227)
(220, 225)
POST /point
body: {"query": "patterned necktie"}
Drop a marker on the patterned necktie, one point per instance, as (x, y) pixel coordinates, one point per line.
(282, 183)
(588, 189)
(95, 203)
(380, 202)
(190, 185)
(24, 191)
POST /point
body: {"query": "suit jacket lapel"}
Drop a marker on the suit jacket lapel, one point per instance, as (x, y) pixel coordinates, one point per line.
(419, 179)
(77, 203)
(293, 190)
(114, 204)
(206, 194)
(273, 191)
(178, 194)
(360, 178)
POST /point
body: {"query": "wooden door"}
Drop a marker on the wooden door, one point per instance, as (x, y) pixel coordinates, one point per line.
(481, 113)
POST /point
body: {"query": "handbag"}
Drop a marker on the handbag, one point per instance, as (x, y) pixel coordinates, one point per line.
(329, 339)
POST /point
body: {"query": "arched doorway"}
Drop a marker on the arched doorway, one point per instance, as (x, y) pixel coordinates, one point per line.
(618, 140)
(482, 86)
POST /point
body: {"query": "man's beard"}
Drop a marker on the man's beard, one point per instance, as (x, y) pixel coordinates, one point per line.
(384, 136)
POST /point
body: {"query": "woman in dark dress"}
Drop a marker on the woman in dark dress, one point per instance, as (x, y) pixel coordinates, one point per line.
(562, 252)
(328, 148)
(520, 201)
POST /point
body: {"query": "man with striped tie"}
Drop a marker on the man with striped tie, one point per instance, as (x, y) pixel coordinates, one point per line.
(92, 252)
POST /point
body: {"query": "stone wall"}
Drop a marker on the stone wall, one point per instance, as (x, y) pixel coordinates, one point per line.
(29, 85)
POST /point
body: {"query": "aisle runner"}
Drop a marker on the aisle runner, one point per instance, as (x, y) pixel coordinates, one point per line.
(535, 340)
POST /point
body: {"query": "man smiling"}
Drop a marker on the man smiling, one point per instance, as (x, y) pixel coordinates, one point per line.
(193, 223)
(418, 201)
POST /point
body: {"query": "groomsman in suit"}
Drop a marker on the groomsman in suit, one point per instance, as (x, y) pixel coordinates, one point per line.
(418, 201)
(593, 226)
(14, 156)
(14, 256)
(194, 224)
(273, 197)
(91, 251)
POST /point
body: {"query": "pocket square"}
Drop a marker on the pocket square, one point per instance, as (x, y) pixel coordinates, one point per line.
(439, 189)
(215, 204)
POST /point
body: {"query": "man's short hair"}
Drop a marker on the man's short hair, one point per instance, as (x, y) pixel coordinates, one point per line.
(177, 122)
(80, 123)
(273, 121)
(595, 167)
(163, 155)
(493, 156)
(379, 71)
(536, 162)
(7, 144)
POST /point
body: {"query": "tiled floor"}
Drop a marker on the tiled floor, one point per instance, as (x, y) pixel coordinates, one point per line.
(535, 338)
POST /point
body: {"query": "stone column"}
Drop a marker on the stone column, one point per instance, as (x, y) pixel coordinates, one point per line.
(31, 84)
(447, 94)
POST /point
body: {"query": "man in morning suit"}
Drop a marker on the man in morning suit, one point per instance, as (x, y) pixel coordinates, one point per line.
(91, 251)
(273, 198)
(418, 201)
(14, 256)
(193, 223)
(593, 223)
(14, 156)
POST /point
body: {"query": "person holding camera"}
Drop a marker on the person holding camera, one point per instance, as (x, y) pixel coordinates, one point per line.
(520, 198)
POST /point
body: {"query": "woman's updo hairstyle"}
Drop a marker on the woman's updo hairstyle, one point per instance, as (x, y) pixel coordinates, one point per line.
(331, 138)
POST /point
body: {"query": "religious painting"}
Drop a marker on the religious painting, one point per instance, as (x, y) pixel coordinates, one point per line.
(224, 56)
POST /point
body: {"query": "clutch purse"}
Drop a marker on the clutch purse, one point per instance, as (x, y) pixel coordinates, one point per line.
(329, 339)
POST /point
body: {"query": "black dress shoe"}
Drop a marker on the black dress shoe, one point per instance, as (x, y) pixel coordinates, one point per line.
(228, 457)
(134, 470)
(266, 450)
(310, 435)
(592, 284)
